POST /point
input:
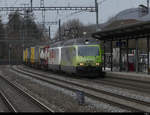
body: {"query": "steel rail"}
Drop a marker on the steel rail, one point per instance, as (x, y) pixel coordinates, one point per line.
(129, 79)
(7, 102)
(143, 87)
(112, 95)
(123, 85)
(34, 100)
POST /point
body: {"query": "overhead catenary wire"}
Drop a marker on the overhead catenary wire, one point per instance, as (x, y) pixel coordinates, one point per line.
(71, 14)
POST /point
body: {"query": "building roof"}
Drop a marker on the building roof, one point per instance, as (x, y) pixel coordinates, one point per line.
(120, 23)
(131, 31)
(128, 14)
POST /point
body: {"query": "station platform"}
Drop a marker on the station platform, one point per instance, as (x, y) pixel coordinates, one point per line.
(128, 75)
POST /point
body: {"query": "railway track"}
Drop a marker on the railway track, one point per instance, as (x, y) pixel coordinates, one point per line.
(17, 100)
(8, 107)
(126, 84)
(124, 102)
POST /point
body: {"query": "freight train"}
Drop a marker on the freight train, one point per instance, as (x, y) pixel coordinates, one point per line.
(80, 59)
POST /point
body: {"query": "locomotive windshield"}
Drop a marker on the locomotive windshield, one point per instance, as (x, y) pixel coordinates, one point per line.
(88, 51)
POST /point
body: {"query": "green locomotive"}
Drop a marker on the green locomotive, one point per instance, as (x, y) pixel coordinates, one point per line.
(81, 59)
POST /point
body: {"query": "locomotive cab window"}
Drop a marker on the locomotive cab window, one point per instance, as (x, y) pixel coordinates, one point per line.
(88, 51)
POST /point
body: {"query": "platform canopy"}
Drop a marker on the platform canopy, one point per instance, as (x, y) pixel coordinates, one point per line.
(132, 31)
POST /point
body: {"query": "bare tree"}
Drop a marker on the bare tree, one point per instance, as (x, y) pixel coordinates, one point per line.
(70, 29)
(23, 28)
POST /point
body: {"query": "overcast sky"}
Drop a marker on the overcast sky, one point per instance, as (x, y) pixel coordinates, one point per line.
(107, 8)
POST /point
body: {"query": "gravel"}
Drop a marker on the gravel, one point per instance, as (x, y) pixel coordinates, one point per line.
(89, 106)
(3, 107)
(116, 90)
(17, 98)
(59, 99)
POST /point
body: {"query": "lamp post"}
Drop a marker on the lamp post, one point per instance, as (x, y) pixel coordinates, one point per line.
(96, 6)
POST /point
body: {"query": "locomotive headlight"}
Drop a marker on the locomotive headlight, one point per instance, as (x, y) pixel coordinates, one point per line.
(81, 64)
(97, 64)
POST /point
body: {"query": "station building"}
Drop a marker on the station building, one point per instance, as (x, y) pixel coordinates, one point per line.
(125, 41)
